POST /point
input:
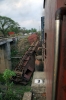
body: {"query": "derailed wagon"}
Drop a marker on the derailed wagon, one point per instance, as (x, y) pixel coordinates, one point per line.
(26, 66)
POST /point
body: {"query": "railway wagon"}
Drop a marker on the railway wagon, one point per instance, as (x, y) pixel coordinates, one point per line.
(55, 49)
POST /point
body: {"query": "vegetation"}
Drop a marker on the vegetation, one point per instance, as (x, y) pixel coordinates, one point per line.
(7, 25)
(18, 50)
(8, 92)
(14, 91)
(7, 75)
(2, 81)
(24, 30)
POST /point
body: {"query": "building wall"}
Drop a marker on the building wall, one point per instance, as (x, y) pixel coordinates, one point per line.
(49, 37)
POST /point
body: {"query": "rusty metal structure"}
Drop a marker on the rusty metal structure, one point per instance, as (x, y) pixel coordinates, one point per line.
(55, 49)
(26, 66)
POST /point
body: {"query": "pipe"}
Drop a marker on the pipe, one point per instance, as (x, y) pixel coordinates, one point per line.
(60, 13)
(58, 17)
(56, 59)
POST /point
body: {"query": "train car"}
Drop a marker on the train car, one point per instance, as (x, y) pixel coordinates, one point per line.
(55, 49)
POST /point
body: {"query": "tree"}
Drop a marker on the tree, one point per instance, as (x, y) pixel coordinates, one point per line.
(14, 29)
(23, 30)
(7, 25)
(33, 30)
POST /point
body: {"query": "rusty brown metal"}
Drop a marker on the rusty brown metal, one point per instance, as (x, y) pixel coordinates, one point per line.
(51, 7)
(26, 66)
(33, 38)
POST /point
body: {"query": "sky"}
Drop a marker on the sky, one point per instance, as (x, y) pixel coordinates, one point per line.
(26, 12)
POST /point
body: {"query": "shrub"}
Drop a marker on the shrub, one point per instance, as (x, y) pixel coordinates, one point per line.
(7, 75)
(2, 79)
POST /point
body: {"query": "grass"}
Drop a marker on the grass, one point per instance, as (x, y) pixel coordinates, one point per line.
(21, 89)
(18, 89)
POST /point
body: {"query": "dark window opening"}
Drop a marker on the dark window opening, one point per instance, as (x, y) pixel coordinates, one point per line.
(45, 36)
(45, 53)
(28, 72)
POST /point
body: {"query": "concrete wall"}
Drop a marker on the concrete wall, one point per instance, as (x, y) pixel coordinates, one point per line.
(5, 61)
(38, 86)
(27, 96)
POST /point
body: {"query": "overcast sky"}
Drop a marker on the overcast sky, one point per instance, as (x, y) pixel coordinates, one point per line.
(26, 12)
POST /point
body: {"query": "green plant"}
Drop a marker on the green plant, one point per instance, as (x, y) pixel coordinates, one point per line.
(7, 75)
(1, 96)
(2, 79)
(9, 94)
(8, 25)
(14, 63)
(14, 51)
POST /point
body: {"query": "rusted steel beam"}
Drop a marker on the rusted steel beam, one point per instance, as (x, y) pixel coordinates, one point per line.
(26, 66)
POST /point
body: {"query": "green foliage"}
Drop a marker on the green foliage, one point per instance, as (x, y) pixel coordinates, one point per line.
(18, 50)
(2, 79)
(24, 30)
(21, 89)
(14, 92)
(14, 63)
(10, 95)
(7, 25)
(15, 29)
(14, 51)
(33, 30)
(8, 74)
(1, 96)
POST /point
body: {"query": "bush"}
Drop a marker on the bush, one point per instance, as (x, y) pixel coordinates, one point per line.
(9, 95)
(7, 75)
(1, 96)
(2, 79)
